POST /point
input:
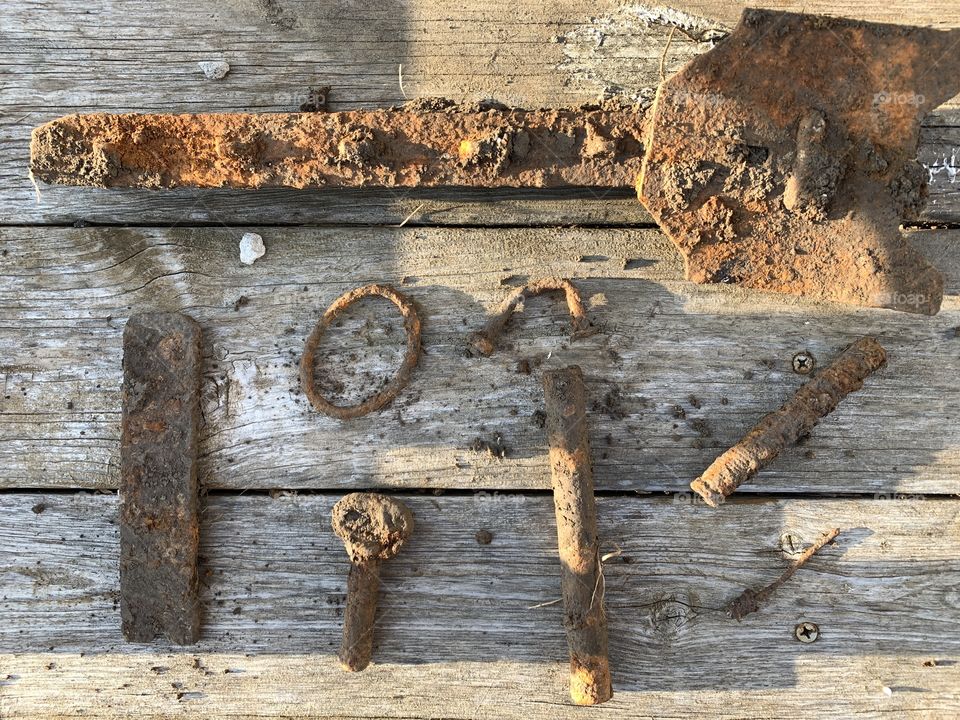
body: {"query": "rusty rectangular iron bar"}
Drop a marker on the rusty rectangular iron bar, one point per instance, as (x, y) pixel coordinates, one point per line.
(159, 515)
(581, 578)
(418, 146)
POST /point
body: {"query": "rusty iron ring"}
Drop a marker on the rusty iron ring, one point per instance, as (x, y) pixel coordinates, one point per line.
(411, 327)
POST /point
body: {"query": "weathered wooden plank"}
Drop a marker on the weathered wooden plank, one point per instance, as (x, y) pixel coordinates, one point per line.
(58, 58)
(458, 636)
(677, 374)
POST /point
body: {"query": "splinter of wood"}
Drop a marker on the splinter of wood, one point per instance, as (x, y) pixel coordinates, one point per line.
(411, 326)
(484, 341)
(581, 578)
(750, 600)
(159, 519)
(794, 420)
(373, 528)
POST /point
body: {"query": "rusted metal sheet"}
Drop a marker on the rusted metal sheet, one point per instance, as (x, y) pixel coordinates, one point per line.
(423, 145)
(783, 158)
(159, 519)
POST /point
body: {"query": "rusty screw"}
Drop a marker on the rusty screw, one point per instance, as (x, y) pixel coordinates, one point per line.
(804, 362)
(373, 529)
(806, 632)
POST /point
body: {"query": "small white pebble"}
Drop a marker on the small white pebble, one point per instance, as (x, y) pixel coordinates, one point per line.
(887, 690)
(214, 69)
(251, 248)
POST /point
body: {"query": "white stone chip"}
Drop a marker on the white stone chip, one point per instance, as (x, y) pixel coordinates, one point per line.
(251, 248)
(214, 69)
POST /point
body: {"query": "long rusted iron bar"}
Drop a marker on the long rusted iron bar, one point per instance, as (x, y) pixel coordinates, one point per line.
(159, 518)
(794, 420)
(581, 579)
(417, 146)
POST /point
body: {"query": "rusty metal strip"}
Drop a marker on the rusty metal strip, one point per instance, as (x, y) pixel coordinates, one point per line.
(426, 145)
(784, 158)
(159, 519)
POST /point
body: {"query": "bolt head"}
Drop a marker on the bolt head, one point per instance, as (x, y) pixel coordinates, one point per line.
(806, 632)
(804, 362)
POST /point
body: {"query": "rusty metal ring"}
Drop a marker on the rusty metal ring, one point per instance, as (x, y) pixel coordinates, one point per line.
(411, 326)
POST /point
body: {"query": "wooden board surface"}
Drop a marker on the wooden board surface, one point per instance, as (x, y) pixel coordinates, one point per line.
(677, 373)
(458, 636)
(58, 57)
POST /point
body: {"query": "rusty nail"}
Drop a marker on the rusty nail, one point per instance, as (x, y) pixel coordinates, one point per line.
(159, 516)
(795, 419)
(581, 576)
(484, 341)
(806, 632)
(804, 362)
(411, 326)
(373, 528)
(750, 600)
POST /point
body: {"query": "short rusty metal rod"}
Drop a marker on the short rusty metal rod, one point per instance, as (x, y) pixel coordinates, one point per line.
(794, 420)
(581, 579)
(363, 590)
(484, 341)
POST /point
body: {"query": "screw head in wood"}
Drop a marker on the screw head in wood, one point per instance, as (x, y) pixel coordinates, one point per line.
(804, 362)
(806, 632)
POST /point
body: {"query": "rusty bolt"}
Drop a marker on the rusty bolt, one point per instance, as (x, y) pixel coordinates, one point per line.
(804, 362)
(373, 529)
(806, 632)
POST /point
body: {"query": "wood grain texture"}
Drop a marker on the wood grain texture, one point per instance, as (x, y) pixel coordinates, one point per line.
(58, 58)
(677, 374)
(457, 636)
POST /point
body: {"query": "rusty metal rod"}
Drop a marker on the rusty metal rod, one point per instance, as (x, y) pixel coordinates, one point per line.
(159, 518)
(427, 145)
(794, 420)
(581, 579)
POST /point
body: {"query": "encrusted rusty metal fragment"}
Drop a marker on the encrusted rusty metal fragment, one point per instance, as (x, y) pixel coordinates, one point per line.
(373, 528)
(581, 577)
(159, 519)
(794, 420)
(426, 144)
(483, 342)
(784, 158)
(411, 326)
